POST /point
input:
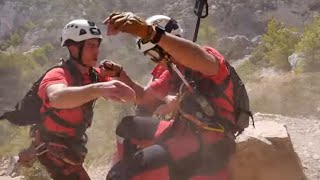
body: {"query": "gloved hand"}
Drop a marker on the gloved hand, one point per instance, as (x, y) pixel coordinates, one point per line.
(129, 23)
(109, 68)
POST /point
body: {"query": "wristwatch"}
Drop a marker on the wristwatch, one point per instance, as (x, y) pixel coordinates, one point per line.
(159, 32)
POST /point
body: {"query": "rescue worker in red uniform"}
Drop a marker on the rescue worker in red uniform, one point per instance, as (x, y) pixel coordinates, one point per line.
(68, 94)
(197, 143)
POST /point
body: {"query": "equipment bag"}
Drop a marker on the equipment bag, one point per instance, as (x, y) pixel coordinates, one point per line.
(27, 110)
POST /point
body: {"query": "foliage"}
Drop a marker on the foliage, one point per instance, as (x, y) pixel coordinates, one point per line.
(246, 70)
(41, 55)
(207, 34)
(16, 37)
(296, 96)
(13, 138)
(277, 45)
(309, 46)
(19, 69)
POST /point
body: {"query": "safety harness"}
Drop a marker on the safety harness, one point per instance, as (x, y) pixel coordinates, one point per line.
(196, 107)
(69, 149)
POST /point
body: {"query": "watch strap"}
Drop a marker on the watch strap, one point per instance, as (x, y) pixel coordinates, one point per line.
(159, 32)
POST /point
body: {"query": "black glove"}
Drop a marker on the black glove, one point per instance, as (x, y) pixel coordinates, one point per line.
(111, 68)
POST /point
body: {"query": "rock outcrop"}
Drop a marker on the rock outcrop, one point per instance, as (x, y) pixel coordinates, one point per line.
(235, 47)
(266, 152)
(229, 17)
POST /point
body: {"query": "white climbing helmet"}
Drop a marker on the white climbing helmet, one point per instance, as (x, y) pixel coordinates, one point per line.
(79, 30)
(170, 25)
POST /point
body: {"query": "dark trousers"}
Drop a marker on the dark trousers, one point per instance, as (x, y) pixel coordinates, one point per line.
(153, 149)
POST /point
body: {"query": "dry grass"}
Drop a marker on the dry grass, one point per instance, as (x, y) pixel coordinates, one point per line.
(286, 93)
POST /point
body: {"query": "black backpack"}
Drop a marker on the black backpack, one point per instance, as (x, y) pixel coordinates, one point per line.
(27, 110)
(240, 101)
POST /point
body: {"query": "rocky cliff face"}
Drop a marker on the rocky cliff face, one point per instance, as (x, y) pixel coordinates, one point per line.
(7, 16)
(243, 17)
(230, 17)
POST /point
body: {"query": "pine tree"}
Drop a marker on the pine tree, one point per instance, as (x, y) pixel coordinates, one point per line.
(309, 46)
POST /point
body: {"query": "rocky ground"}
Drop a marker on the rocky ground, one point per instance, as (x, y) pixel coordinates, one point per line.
(304, 133)
(305, 136)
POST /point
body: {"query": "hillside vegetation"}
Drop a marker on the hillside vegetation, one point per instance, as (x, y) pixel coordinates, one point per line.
(32, 45)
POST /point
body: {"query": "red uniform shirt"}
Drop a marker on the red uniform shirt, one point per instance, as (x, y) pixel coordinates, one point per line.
(163, 82)
(74, 115)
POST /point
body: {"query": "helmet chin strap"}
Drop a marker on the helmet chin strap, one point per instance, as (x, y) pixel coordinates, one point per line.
(79, 58)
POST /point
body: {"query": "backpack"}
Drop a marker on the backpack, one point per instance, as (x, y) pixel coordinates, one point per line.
(240, 103)
(27, 110)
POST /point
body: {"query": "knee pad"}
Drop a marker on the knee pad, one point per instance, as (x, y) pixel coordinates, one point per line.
(137, 127)
(151, 157)
(118, 172)
(146, 159)
(124, 126)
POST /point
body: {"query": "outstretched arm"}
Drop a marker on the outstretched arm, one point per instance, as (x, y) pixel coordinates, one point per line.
(145, 96)
(183, 51)
(62, 96)
(189, 54)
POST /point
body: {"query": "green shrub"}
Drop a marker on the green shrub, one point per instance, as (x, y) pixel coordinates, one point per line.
(246, 70)
(309, 46)
(14, 139)
(40, 55)
(207, 34)
(17, 36)
(277, 45)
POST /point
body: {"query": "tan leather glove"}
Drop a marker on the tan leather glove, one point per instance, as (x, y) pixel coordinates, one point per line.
(110, 68)
(129, 23)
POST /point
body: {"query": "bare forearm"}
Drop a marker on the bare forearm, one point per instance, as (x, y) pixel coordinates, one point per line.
(189, 54)
(70, 97)
(139, 90)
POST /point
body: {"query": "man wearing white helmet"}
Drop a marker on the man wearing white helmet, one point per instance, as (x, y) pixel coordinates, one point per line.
(68, 93)
(198, 141)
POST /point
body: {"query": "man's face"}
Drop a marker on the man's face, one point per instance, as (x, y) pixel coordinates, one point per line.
(90, 52)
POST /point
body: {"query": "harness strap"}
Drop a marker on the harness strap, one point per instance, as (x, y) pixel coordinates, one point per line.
(69, 149)
(205, 126)
(86, 108)
(58, 120)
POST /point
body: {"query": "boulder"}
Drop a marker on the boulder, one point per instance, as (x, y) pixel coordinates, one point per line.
(294, 59)
(235, 47)
(266, 152)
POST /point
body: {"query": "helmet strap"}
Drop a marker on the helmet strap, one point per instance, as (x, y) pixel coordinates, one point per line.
(79, 58)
